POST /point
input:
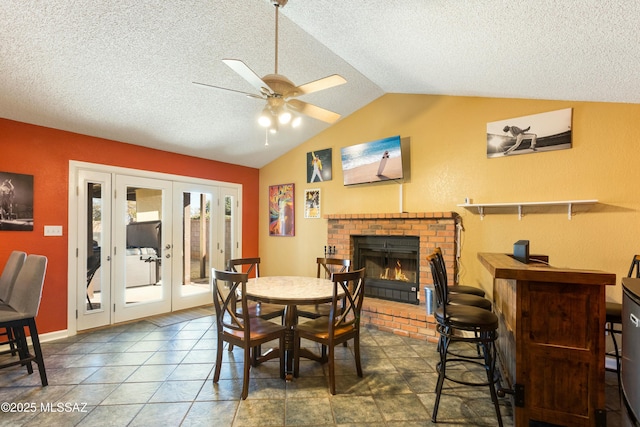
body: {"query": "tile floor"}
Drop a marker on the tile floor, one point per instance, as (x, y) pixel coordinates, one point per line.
(140, 374)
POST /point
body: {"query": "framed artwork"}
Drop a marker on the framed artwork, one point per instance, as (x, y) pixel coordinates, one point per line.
(312, 203)
(281, 210)
(16, 202)
(373, 161)
(530, 134)
(319, 165)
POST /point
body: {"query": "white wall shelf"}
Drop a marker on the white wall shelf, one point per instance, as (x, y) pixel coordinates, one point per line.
(568, 203)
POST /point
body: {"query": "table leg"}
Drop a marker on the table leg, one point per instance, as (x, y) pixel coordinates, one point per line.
(290, 321)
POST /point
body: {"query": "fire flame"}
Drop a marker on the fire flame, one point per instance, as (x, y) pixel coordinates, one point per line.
(398, 274)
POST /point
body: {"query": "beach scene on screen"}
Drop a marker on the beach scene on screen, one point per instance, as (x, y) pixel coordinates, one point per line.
(373, 161)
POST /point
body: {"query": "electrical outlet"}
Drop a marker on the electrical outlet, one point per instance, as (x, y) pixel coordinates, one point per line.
(53, 230)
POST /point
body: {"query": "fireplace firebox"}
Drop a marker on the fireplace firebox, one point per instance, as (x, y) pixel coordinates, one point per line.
(391, 266)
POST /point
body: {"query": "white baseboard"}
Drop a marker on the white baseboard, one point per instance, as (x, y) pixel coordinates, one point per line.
(56, 335)
(50, 336)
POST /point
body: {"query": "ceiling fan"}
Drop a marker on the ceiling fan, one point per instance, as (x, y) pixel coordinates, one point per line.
(280, 93)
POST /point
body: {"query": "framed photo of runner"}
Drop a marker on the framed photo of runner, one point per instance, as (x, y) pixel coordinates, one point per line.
(536, 133)
(312, 203)
(319, 165)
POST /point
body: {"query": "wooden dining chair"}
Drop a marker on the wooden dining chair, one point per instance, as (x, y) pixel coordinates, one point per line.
(326, 267)
(251, 266)
(236, 327)
(342, 324)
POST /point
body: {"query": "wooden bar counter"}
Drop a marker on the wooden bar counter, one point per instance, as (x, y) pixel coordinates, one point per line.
(551, 346)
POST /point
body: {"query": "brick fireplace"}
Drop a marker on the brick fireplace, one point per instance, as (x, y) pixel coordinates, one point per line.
(432, 228)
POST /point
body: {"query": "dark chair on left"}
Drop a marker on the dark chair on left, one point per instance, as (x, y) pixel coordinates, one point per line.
(236, 327)
(20, 310)
(7, 280)
(266, 311)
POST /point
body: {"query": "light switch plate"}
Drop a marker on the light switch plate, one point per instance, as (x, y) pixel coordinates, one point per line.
(53, 230)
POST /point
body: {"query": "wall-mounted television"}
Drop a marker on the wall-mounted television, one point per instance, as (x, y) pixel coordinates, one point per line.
(373, 161)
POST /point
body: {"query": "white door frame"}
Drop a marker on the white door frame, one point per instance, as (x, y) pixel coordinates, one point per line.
(73, 277)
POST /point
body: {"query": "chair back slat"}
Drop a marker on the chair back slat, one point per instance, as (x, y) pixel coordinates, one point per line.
(439, 284)
(228, 287)
(635, 265)
(352, 285)
(441, 264)
(245, 265)
(27, 290)
(329, 266)
(10, 273)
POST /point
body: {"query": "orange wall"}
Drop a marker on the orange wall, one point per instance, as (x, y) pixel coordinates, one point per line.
(45, 153)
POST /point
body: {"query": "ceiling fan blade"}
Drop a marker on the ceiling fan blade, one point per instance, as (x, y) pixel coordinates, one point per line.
(251, 95)
(247, 73)
(321, 84)
(313, 111)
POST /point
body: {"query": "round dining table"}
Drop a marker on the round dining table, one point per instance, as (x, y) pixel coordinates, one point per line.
(291, 291)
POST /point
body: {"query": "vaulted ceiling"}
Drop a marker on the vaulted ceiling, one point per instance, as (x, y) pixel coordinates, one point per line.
(123, 69)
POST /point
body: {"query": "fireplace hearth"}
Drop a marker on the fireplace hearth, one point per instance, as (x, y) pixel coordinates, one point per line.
(392, 266)
(434, 229)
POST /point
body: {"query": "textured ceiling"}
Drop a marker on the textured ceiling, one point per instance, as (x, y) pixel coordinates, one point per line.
(123, 69)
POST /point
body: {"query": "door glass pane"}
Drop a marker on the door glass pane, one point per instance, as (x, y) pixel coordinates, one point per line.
(229, 238)
(143, 247)
(95, 209)
(196, 257)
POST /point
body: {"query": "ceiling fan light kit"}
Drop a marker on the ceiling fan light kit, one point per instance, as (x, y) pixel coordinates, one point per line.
(284, 118)
(280, 93)
(264, 119)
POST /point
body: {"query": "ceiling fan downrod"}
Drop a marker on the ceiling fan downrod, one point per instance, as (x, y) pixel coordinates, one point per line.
(278, 4)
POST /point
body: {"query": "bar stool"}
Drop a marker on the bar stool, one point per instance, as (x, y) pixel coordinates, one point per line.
(7, 280)
(613, 326)
(453, 319)
(20, 310)
(455, 289)
(613, 322)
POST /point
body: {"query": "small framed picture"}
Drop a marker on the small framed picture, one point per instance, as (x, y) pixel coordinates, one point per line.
(319, 165)
(312, 203)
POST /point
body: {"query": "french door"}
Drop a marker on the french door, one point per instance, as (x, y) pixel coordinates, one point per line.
(196, 209)
(143, 247)
(147, 245)
(93, 260)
